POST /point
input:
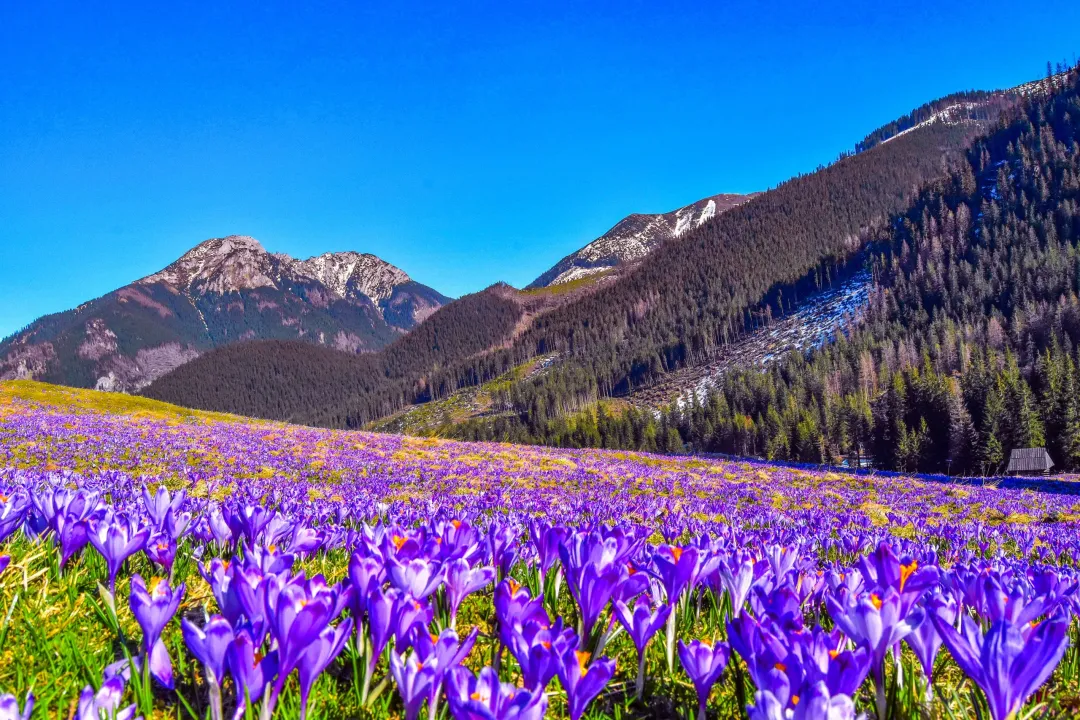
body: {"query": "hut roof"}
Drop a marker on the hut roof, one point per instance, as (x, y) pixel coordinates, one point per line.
(1029, 460)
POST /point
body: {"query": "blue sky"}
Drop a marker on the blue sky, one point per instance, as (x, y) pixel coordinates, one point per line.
(464, 142)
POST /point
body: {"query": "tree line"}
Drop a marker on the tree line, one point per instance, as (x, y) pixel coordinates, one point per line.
(967, 348)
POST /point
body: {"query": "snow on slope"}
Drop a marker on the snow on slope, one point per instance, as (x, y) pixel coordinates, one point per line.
(237, 262)
(634, 237)
(350, 272)
(815, 322)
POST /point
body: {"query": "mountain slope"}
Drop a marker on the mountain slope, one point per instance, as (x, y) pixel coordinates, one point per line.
(697, 292)
(320, 386)
(222, 291)
(634, 237)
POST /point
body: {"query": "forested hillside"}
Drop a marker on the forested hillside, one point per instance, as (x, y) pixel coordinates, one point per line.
(693, 294)
(222, 291)
(968, 347)
(302, 383)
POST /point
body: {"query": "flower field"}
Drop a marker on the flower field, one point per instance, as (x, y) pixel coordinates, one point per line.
(157, 562)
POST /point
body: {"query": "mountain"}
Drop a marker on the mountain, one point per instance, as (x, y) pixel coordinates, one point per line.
(222, 291)
(550, 358)
(700, 291)
(634, 237)
(300, 382)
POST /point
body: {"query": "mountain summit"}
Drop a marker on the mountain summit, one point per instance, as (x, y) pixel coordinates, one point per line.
(238, 263)
(634, 237)
(221, 291)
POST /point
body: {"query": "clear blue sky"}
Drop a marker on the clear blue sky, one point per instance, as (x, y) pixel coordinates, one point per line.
(464, 142)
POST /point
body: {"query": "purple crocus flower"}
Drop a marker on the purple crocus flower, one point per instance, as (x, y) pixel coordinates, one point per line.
(884, 569)
(382, 618)
(410, 613)
(502, 542)
(677, 568)
(1008, 665)
(296, 613)
(209, 644)
(877, 623)
(704, 664)
(161, 549)
(737, 575)
(365, 574)
(5, 560)
(13, 511)
(514, 606)
(458, 539)
(305, 540)
(641, 623)
(251, 671)
(418, 577)
(268, 559)
(117, 539)
(9, 707)
(413, 679)
(593, 563)
(161, 504)
(73, 534)
(318, 656)
(461, 581)
(592, 590)
(154, 607)
(583, 680)
(483, 697)
(925, 640)
(105, 703)
(245, 599)
(546, 540)
(218, 526)
(539, 649)
(818, 703)
(442, 653)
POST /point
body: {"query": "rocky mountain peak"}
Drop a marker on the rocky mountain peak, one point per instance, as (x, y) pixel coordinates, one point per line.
(349, 273)
(634, 237)
(238, 262)
(221, 265)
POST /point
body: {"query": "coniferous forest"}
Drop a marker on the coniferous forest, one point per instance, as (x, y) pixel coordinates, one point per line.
(968, 346)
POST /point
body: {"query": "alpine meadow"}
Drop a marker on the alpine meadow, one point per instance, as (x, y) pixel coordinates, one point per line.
(498, 362)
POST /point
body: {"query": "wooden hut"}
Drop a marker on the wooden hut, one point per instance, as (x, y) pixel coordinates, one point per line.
(1029, 461)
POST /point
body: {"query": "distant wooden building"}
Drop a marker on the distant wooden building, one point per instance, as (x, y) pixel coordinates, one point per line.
(1029, 461)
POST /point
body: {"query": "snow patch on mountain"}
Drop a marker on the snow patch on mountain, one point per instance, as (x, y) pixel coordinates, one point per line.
(236, 263)
(957, 114)
(815, 322)
(347, 273)
(576, 273)
(634, 237)
(220, 265)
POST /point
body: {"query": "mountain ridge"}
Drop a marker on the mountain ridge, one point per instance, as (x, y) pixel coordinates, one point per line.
(695, 292)
(634, 237)
(220, 291)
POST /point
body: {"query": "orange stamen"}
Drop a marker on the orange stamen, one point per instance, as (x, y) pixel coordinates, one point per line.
(582, 659)
(907, 571)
